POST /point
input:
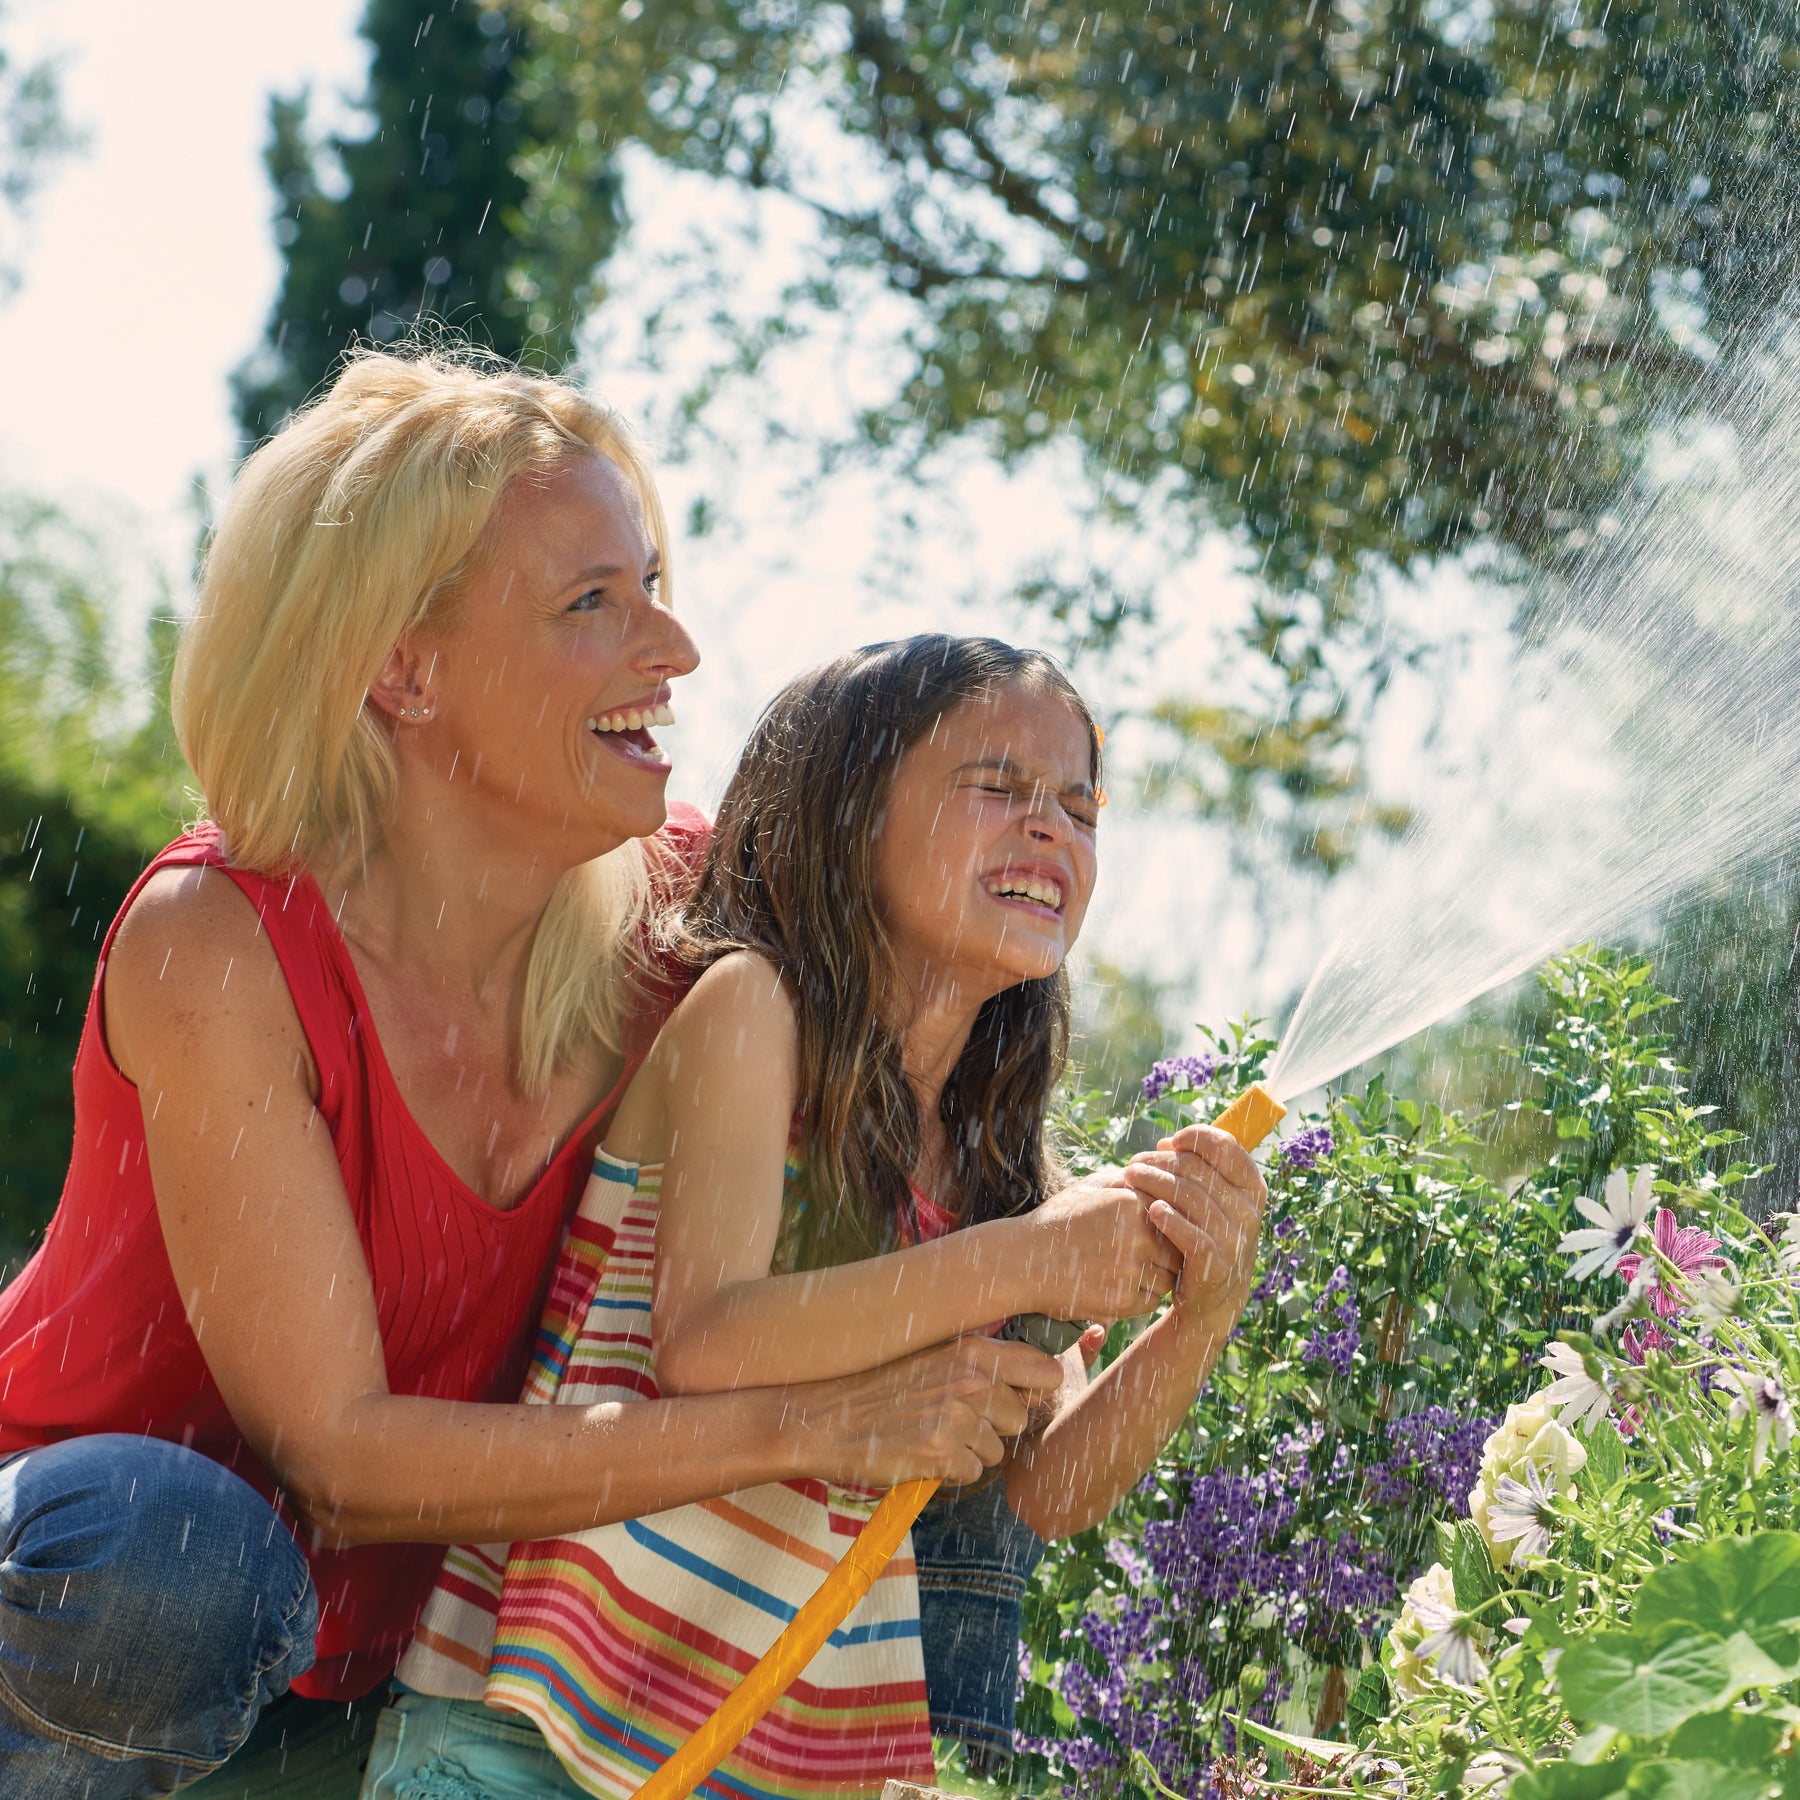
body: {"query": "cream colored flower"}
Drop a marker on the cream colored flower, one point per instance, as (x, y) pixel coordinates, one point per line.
(1528, 1437)
(1429, 1598)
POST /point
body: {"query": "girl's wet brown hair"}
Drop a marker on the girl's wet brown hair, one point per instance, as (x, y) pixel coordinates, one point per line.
(790, 874)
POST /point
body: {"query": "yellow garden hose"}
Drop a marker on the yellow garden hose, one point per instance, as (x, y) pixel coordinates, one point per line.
(1249, 1118)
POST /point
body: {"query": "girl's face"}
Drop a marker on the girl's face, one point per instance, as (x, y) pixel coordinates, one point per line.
(984, 860)
(548, 687)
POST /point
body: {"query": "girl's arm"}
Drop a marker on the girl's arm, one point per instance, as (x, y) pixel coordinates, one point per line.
(1073, 1473)
(266, 1257)
(725, 1074)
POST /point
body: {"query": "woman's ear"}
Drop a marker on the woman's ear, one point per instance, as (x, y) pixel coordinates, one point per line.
(404, 689)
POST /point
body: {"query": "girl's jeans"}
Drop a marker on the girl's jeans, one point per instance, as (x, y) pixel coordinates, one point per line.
(151, 1604)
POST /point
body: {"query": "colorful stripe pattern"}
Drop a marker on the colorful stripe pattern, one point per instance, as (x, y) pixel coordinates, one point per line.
(620, 1641)
(454, 1640)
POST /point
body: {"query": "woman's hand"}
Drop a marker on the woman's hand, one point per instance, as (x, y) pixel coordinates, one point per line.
(1206, 1197)
(940, 1413)
(1092, 1252)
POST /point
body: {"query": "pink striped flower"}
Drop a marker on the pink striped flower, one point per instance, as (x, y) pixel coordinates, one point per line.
(1686, 1246)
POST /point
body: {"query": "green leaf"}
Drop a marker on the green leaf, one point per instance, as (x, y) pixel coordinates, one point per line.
(1592, 1745)
(1368, 1703)
(1744, 1740)
(1572, 1781)
(1616, 1679)
(1738, 1584)
(1694, 1781)
(1319, 1749)
(1751, 1665)
(1472, 1568)
(1606, 1463)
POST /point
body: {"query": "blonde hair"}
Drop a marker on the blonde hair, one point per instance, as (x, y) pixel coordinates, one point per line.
(346, 531)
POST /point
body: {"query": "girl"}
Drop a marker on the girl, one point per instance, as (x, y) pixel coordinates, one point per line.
(833, 1157)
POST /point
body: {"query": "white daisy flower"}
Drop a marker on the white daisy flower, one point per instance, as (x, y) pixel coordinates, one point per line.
(1638, 1289)
(1763, 1396)
(1788, 1250)
(1449, 1642)
(1522, 1513)
(1716, 1298)
(1615, 1223)
(1489, 1770)
(1580, 1396)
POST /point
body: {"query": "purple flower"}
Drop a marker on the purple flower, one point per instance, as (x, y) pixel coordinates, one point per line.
(1181, 1073)
(1284, 1264)
(1338, 1348)
(1688, 1247)
(1435, 1457)
(1304, 1149)
(1127, 1559)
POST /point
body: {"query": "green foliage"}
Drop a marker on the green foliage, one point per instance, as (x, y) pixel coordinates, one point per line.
(34, 133)
(1455, 1288)
(426, 214)
(89, 788)
(1362, 273)
(1657, 1646)
(1363, 284)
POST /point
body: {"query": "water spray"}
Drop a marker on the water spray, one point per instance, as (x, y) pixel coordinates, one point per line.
(1249, 1118)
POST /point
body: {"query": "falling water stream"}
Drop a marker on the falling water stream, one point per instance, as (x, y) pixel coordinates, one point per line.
(1650, 738)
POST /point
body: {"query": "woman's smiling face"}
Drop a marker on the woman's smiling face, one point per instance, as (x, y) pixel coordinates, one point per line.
(985, 857)
(546, 687)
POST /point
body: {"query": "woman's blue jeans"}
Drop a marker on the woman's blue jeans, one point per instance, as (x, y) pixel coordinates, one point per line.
(151, 1605)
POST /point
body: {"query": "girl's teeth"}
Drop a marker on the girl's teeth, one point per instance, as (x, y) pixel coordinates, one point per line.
(634, 720)
(663, 715)
(1041, 891)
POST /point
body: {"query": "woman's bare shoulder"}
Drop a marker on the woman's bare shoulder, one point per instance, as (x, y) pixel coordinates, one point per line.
(190, 961)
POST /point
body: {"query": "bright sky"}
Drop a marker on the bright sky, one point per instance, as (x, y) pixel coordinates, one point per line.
(150, 265)
(149, 272)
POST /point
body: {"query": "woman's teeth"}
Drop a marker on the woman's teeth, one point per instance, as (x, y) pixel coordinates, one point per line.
(632, 719)
(1045, 893)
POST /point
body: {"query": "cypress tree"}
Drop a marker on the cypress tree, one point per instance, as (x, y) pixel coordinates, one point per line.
(449, 208)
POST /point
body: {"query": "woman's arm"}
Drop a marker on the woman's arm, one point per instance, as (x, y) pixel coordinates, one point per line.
(1207, 1197)
(265, 1253)
(726, 1072)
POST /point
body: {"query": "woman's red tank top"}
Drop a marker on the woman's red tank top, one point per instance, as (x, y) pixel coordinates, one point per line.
(93, 1337)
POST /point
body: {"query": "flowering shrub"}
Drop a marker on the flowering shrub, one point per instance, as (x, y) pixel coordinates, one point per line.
(1348, 1541)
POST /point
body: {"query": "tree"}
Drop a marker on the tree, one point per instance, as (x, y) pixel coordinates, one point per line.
(89, 788)
(421, 216)
(1364, 282)
(34, 134)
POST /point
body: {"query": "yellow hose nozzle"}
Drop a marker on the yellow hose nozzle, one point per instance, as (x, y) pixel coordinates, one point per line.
(1249, 1118)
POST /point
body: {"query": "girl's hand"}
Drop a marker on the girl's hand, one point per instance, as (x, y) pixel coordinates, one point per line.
(1206, 1197)
(940, 1413)
(1092, 1253)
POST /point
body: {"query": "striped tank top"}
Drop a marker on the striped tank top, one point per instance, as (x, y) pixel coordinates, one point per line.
(620, 1641)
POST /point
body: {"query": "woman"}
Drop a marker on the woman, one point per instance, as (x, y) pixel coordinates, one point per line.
(350, 1046)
